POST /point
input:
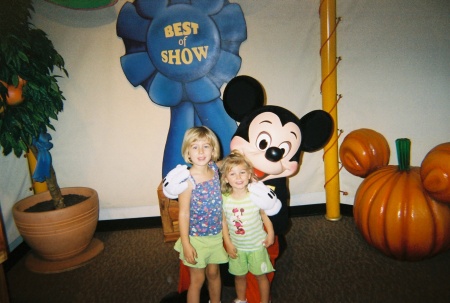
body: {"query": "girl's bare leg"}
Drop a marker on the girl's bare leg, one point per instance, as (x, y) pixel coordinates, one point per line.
(197, 276)
(264, 288)
(240, 284)
(214, 283)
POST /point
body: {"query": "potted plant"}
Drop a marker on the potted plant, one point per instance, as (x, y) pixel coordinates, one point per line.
(29, 97)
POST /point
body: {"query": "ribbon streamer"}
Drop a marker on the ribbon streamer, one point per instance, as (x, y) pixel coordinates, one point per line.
(44, 159)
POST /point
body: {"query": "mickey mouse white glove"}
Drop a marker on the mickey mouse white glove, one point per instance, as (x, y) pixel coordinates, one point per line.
(176, 181)
(265, 198)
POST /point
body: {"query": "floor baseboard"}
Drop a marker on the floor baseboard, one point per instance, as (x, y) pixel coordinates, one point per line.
(317, 210)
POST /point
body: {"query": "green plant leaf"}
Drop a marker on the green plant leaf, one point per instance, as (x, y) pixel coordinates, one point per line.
(23, 146)
(23, 56)
(28, 53)
(6, 149)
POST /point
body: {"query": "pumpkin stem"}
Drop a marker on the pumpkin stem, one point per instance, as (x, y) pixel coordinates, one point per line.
(403, 146)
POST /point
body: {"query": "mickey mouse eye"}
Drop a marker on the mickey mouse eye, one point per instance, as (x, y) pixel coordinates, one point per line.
(286, 147)
(263, 141)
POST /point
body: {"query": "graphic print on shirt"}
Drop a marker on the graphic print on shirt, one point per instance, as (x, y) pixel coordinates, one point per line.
(237, 220)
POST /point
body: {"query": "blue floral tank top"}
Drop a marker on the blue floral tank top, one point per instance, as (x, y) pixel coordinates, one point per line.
(206, 206)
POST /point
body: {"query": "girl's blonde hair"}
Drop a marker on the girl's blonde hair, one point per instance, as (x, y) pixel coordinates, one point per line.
(196, 133)
(235, 158)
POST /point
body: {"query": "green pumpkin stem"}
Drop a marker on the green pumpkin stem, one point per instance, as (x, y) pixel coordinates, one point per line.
(403, 146)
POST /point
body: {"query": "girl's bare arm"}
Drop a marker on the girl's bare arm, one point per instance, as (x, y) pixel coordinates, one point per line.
(270, 239)
(229, 247)
(184, 200)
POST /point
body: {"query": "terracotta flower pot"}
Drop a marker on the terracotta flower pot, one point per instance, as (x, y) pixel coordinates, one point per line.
(61, 239)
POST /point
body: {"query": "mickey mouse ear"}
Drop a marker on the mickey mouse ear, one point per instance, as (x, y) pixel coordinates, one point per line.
(242, 95)
(317, 128)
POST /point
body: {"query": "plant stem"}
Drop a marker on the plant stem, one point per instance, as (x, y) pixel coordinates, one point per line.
(403, 146)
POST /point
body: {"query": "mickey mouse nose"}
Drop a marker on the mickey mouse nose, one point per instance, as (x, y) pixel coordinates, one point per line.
(274, 154)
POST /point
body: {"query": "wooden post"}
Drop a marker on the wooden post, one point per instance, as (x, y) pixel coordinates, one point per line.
(169, 216)
(328, 25)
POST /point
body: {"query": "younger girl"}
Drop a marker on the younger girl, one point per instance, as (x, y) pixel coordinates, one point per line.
(244, 237)
(200, 215)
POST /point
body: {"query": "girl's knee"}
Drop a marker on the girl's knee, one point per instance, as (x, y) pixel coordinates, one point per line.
(240, 280)
(212, 272)
(262, 277)
(197, 277)
(213, 276)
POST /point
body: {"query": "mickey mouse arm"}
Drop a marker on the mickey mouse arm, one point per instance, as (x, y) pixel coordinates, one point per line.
(176, 181)
(264, 198)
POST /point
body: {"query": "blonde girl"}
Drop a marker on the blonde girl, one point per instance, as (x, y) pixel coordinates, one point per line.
(200, 215)
(244, 236)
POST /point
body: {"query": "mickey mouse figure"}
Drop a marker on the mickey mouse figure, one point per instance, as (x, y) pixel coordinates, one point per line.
(272, 138)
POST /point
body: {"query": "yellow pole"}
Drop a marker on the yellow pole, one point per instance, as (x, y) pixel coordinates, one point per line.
(38, 187)
(328, 25)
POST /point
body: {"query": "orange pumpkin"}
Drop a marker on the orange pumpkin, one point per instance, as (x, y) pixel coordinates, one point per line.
(364, 151)
(435, 172)
(396, 215)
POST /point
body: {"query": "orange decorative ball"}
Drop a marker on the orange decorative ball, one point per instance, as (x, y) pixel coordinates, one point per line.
(364, 151)
(15, 93)
(435, 172)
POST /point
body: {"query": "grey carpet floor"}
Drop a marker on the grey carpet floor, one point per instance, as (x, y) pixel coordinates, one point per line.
(324, 262)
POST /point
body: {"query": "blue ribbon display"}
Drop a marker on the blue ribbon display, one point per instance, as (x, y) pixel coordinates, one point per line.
(181, 52)
(44, 159)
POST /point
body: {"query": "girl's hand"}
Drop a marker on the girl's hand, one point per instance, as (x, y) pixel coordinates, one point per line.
(190, 254)
(231, 250)
(270, 239)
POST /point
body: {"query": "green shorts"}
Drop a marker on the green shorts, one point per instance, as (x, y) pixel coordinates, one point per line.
(209, 249)
(257, 262)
